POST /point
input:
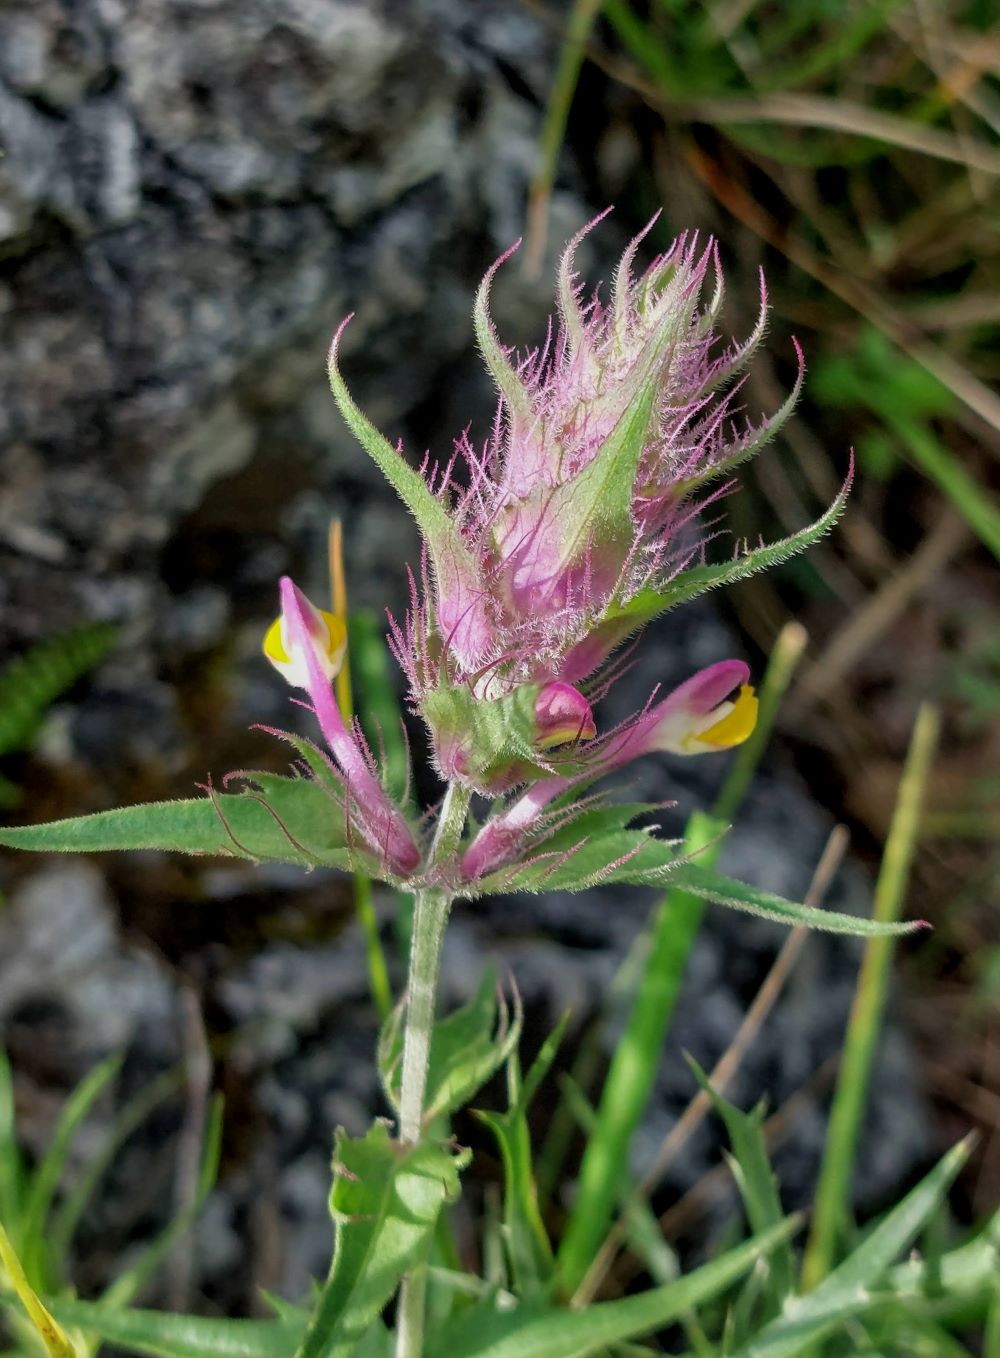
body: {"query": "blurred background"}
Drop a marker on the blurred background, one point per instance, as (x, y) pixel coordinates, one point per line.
(193, 193)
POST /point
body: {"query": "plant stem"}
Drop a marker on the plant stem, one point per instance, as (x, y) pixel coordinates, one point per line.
(429, 918)
(430, 915)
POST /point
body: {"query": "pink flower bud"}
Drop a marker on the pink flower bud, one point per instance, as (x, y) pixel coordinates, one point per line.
(380, 820)
(562, 714)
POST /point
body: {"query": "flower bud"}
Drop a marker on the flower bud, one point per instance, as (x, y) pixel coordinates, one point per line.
(562, 714)
(327, 636)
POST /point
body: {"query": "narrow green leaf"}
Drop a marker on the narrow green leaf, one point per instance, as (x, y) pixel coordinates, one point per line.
(591, 848)
(172, 1336)
(650, 603)
(698, 579)
(962, 1271)
(452, 559)
(132, 1116)
(508, 383)
(31, 683)
(757, 1183)
(528, 1247)
(712, 886)
(536, 1331)
(430, 514)
(833, 1192)
(850, 1289)
(12, 1175)
(298, 824)
(56, 1342)
(386, 1200)
(34, 1239)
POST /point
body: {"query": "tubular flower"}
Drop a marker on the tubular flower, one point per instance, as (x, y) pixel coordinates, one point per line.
(307, 646)
(575, 523)
(698, 717)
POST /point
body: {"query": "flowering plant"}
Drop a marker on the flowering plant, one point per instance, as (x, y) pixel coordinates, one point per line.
(546, 551)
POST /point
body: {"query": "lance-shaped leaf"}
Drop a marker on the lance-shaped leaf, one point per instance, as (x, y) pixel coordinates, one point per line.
(166, 1335)
(621, 620)
(507, 380)
(536, 1331)
(596, 505)
(287, 820)
(386, 1200)
(758, 1186)
(529, 1252)
(467, 1047)
(51, 1334)
(595, 846)
(454, 566)
(598, 846)
(713, 886)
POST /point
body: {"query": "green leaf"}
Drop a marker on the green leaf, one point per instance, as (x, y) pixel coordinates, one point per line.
(850, 1289)
(386, 1200)
(595, 507)
(962, 1271)
(47, 1329)
(712, 886)
(508, 383)
(34, 1225)
(135, 1112)
(527, 1242)
(287, 820)
(583, 852)
(755, 1178)
(623, 619)
(173, 1336)
(536, 1331)
(598, 846)
(467, 1047)
(690, 583)
(454, 565)
(12, 1171)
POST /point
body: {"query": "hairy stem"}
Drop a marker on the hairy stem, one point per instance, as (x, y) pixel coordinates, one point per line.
(430, 916)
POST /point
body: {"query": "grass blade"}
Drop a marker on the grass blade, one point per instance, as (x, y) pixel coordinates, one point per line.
(35, 1244)
(834, 1188)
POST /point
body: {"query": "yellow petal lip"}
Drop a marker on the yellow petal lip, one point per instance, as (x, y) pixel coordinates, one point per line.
(736, 725)
(273, 647)
(330, 640)
(568, 731)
